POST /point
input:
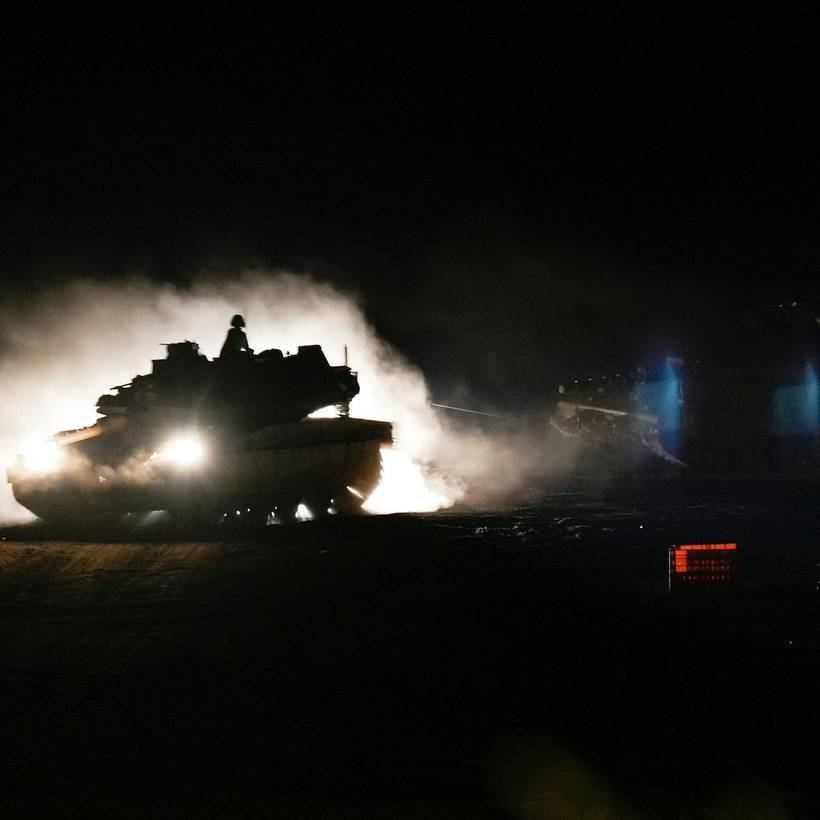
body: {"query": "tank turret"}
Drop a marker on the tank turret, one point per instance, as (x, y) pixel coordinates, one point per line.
(250, 391)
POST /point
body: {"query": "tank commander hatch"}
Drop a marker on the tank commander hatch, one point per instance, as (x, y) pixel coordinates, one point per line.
(236, 342)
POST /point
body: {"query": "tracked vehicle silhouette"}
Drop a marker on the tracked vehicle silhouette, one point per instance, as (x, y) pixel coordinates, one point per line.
(209, 441)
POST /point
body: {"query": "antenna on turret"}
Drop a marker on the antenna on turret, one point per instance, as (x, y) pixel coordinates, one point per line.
(345, 355)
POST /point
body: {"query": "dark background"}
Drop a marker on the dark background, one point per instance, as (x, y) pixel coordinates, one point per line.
(518, 195)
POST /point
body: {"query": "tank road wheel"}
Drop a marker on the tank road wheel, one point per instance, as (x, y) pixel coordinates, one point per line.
(346, 502)
(319, 505)
(74, 516)
(86, 526)
(364, 478)
(193, 519)
(285, 509)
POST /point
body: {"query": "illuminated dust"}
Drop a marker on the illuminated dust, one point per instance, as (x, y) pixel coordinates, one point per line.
(64, 348)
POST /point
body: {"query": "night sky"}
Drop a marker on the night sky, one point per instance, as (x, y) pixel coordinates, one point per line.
(518, 196)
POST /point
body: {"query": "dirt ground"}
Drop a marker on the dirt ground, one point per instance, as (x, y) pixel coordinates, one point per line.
(517, 663)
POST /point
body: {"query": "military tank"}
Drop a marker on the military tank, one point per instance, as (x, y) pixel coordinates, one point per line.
(208, 440)
(749, 407)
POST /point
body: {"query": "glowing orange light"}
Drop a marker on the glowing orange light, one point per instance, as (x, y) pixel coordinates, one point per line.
(707, 547)
(703, 566)
(680, 553)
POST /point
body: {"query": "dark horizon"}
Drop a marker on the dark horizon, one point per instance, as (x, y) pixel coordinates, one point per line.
(514, 199)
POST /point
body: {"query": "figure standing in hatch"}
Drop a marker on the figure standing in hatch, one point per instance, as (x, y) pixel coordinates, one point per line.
(236, 342)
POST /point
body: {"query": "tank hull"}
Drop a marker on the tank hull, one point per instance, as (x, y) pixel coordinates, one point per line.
(321, 463)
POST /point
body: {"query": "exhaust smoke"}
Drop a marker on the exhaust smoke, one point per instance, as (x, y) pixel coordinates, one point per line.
(64, 348)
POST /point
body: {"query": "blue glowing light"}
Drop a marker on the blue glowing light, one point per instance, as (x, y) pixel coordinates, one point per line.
(670, 408)
(796, 407)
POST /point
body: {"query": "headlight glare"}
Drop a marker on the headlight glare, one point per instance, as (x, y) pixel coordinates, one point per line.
(183, 451)
(42, 457)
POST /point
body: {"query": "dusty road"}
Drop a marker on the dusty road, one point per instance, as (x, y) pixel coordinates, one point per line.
(525, 663)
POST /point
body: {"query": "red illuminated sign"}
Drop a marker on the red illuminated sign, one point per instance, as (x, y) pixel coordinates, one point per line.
(703, 566)
(680, 553)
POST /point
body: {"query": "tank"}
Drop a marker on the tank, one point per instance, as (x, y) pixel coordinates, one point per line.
(210, 440)
(751, 407)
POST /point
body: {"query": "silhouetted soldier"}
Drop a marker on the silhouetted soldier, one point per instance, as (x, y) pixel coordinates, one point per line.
(236, 342)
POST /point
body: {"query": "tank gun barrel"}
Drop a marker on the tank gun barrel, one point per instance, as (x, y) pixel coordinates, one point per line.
(471, 412)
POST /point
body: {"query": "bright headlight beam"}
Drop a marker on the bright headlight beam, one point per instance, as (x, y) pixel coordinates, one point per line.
(40, 457)
(183, 451)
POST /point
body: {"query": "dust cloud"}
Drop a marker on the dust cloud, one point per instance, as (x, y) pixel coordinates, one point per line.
(63, 348)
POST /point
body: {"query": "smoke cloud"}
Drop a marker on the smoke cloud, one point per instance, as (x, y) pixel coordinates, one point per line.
(65, 347)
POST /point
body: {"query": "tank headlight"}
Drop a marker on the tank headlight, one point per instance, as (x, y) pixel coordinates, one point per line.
(183, 451)
(42, 457)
